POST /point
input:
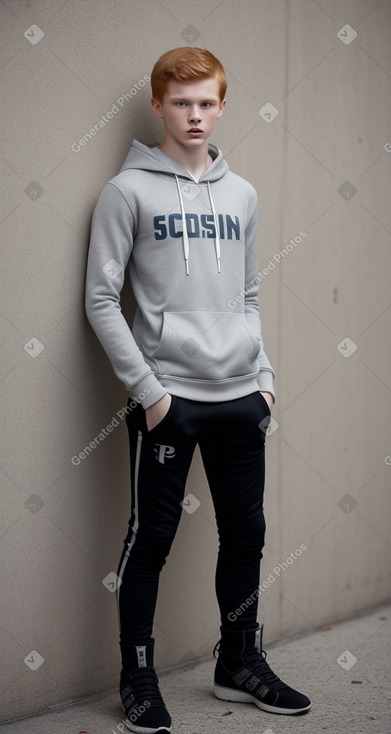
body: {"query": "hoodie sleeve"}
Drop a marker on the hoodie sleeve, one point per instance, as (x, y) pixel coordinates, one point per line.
(111, 245)
(251, 305)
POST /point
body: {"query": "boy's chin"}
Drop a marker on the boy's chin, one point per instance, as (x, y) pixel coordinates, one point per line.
(195, 142)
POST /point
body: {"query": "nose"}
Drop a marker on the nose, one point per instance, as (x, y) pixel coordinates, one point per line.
(194, 115)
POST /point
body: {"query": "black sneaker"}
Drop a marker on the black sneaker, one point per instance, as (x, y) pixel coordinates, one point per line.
(243, 675)
(142, 701)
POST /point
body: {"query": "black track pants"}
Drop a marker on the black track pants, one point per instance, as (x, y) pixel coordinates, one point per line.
(232, 448)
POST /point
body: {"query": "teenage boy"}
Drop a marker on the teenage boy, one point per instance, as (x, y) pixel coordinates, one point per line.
(194, 365)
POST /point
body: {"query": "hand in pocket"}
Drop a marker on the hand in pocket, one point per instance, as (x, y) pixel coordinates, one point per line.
(156, 412)
(269, 399)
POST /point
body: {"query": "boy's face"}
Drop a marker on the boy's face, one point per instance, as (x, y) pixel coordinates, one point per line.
(190, 111)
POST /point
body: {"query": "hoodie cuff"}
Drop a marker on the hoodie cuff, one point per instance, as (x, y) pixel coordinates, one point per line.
(147, 391)
(265, 381)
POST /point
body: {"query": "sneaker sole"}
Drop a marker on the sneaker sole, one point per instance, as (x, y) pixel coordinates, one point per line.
(236, 696)
(143, 729)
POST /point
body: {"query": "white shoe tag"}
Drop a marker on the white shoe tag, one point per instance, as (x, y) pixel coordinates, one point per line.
(141, 656)
(258, 640)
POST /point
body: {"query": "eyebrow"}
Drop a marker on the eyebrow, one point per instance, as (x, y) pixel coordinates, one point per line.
(186, 99)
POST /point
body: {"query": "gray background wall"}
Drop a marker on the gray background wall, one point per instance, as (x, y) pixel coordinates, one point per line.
(321, 166)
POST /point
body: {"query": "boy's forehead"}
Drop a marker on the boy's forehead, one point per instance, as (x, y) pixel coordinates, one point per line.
(204, 88)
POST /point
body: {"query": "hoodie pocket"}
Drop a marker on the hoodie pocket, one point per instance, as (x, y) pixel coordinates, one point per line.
(206, 345)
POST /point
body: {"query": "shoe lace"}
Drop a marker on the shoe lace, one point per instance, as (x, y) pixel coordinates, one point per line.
(261, 667)
(144, 684)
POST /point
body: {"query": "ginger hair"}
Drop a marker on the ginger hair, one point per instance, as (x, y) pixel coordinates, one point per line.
(186, 64)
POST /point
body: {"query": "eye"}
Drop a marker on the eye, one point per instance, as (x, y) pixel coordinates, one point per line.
(181, 104)
(205, 104)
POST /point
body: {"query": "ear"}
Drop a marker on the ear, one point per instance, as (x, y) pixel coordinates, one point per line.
(157, 107)
(221, 108)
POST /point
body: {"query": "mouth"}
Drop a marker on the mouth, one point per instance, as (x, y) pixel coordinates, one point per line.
(195, 131)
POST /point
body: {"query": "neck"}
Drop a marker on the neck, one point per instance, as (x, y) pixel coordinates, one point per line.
(195, 160)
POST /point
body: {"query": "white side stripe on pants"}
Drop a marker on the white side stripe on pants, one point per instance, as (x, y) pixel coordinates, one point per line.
(135, 524)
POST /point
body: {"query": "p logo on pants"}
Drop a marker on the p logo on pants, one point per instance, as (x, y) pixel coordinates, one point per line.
(162, 451)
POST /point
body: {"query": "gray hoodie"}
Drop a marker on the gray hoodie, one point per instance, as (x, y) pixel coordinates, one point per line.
(196, 332)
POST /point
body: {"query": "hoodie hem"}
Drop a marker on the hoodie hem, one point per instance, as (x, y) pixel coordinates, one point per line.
(208, 390)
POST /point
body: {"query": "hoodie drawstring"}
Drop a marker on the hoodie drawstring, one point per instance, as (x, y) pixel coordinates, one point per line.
(184, 227)
(185, 240)
(217, 238)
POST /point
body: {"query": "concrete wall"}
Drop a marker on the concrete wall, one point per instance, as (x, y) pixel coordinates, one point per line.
(321, 167)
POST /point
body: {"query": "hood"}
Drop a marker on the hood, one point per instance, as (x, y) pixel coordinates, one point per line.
(151, 158)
